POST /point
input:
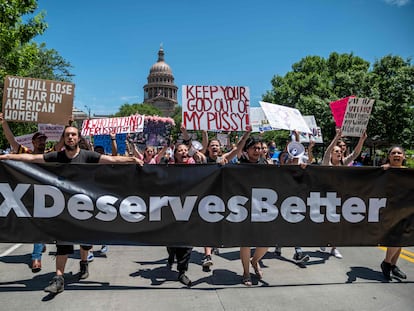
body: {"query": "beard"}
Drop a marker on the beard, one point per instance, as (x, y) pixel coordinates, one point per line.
(70, 148)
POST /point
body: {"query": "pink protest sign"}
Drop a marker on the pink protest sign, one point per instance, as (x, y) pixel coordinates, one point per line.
(338, 109)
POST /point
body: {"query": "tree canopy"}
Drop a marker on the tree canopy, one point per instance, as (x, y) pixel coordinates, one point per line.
(21, 56)
(314, 82)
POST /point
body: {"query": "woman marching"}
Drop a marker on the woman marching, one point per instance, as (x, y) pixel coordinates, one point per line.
(396, 158)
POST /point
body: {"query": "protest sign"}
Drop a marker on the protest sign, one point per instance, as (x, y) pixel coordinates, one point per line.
(24, 140)
(37, 100)
(106, 126)
(338, 108)
(157, 131)
(210, 108)
(52, 131)
(258, 120)
(284, 118)
(316, 133)
(357, 116)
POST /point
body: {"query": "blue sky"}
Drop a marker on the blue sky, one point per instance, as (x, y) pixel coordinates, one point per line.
(112, 44)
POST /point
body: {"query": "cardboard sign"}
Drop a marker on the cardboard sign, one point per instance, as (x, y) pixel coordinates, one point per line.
(258, 120)
(338, 109)
(316, 133)
(357, 116)
(37, 100)
(284, 118)
(131, 124)
(224, 108)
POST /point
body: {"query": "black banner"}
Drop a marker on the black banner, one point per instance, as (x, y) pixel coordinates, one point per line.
(206, 205)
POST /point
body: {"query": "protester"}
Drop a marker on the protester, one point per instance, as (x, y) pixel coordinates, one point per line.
(71, 154)
(214, 154)
(396, 158)
(39, 147)
(286, 159)
(333, 157)
(252, 154)
(180, 252)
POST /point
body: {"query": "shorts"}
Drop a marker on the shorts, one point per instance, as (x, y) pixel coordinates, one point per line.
(64, 249)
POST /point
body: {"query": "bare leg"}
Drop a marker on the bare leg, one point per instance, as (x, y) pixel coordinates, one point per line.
(245, 259)
(60, 264)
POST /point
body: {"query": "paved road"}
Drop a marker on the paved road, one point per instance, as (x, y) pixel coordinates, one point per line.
(136, 278)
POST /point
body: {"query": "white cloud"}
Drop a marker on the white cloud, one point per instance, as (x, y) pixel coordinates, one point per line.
(397, 2)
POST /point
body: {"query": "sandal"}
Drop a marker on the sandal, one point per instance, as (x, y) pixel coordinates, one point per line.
(247, 280)
(257, 270)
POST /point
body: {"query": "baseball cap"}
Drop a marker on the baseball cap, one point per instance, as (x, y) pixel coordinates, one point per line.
(39, 134)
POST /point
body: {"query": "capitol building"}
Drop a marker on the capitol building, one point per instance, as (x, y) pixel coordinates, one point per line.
(160, 90)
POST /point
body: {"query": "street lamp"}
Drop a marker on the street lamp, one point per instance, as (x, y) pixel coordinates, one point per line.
(89, 111)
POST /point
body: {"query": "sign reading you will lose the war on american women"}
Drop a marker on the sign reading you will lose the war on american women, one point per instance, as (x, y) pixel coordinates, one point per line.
(37, 100)
(221, 108)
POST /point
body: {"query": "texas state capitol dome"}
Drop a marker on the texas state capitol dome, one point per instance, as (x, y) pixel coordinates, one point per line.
(160, 90)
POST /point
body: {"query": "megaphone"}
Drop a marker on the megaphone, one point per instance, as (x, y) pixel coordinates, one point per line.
(295, 149)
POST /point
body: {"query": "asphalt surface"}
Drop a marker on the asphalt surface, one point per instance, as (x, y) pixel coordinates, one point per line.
(136, 278)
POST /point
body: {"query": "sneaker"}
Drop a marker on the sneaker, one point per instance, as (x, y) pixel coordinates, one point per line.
(104, 249)
(397, 272)
(44, 248)
(184, 279)
(336, 253)
(323, 248)
(386, 270)
(207, 261)
(84, 270)
(278, 251)
(215, 251)
(90, 257)
(56, 285)
(300, 257)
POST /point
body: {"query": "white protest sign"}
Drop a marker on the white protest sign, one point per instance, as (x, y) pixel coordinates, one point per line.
(357, 116)
(258, 120)
(224, 108)
(316, 134)
(52, 131)
(284, 118)
(131, 124)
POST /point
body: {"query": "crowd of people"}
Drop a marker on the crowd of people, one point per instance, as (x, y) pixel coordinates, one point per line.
(72, 148)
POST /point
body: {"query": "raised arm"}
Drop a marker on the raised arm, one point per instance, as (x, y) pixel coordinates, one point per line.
(240, 145)
(358, 148)
(310, 151)
(114, 146)
(204, 141)
(8, 134)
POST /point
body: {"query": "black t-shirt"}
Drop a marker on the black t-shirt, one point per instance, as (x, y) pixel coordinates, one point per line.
(84, 156)
(243, 159)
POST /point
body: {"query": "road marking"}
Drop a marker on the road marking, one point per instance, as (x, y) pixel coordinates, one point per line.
(405, 254)
(10, 250)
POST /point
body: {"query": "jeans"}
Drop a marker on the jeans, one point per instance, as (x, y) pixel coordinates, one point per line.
(37, 251)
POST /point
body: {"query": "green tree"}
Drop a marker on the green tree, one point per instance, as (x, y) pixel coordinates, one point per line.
(20, 56)
(392, 84)
(144, 109)
(314, 82)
